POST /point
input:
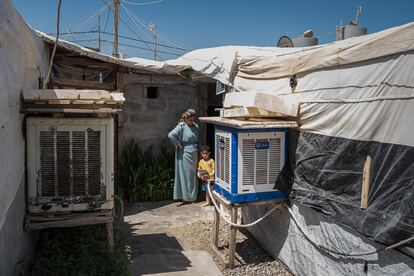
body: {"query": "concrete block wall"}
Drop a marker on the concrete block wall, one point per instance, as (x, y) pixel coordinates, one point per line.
(147, 120)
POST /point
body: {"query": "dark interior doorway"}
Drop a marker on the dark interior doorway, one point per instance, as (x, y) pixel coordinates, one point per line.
(213, 102)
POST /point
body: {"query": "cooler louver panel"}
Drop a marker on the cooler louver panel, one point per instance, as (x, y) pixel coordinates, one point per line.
(260, 165)
(248, 161)
(47, 163)
(63, 163)
(274, 159)
(94, 163)
(70, 163)
(79, 162)
(223, 158)
(227, 160)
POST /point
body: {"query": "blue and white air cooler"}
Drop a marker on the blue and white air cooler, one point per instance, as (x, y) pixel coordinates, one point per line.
(248, 162)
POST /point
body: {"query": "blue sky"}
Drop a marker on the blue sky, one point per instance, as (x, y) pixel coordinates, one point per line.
(207, 23)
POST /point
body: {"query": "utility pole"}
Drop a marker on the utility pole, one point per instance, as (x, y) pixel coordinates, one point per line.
(99, 33)
(116, 15)
(153, 28)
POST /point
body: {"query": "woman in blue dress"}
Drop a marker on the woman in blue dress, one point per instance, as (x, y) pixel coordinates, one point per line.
(185, 139)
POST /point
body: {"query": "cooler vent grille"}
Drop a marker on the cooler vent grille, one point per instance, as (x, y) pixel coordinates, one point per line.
(70, 163)
(261, 166)
(223, 158)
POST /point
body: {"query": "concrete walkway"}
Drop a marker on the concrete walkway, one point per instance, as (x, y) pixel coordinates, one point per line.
(156, 250)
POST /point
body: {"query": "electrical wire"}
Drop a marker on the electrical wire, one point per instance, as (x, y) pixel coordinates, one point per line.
(129, 27)
(223, 215)
(121, 36)
(123, 44)
(160, 34)
(45, 83)
(145, 41)
(143, 3)
(131, 15)
(107, 19)
(315, 244)
(86, 20)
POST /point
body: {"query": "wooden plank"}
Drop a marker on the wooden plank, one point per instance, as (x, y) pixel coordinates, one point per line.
(226, 203)
(82, 84)
(71, 110)
(249, 124)
(233, 235)
(68, 215)
(66, 223)
(110, 233)
(219, 256)
(48, 95)
(73, 106)
(366, 177)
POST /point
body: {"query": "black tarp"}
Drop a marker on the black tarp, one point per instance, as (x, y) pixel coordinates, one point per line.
(325, 173)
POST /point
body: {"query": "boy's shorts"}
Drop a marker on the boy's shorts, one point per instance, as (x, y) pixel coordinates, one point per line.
(204, 186)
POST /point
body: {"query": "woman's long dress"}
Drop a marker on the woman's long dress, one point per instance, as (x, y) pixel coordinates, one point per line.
(185, 182)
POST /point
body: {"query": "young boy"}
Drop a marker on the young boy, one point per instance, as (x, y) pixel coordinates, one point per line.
(206, 171)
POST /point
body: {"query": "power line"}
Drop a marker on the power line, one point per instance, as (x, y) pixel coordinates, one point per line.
(107, 19)
(124, 44)
(140, 40)
(129, 27)
(87, 19)
(143, 3)
(169, 40)
(122, 36)
(128, 13)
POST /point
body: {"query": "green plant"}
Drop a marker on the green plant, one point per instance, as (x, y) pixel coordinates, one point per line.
(145, 176)
(79, 251)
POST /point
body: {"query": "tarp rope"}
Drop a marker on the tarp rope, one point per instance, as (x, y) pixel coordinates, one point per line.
(223, 215)
(315, 244)
(45, 83)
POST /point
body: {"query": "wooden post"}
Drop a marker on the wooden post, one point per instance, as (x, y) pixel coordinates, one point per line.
(366, 177)
(116, 4)
(119, 80)
(233, 235)
(216, 227)
(110, 232)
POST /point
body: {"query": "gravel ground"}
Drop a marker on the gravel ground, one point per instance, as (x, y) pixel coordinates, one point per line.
(251, 259)
(192, 227)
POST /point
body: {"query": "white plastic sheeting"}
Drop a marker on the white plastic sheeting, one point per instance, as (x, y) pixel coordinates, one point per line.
(23, 58)
(355, 88)
(370, 101)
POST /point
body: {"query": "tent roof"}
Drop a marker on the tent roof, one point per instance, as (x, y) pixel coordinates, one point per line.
(226, 62)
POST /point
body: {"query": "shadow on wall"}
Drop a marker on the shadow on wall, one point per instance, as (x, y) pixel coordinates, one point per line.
(284, 182)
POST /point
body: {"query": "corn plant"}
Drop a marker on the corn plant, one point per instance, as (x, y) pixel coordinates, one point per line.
(145, 176)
